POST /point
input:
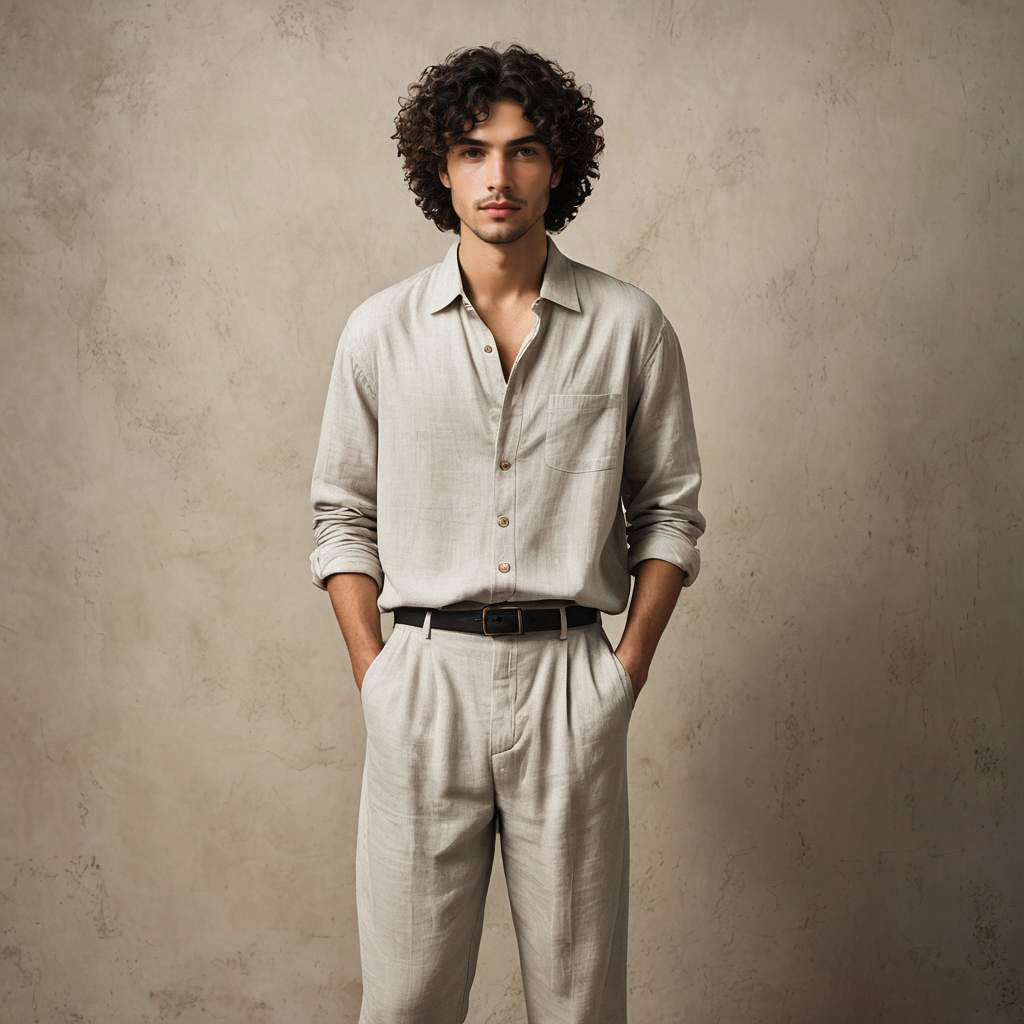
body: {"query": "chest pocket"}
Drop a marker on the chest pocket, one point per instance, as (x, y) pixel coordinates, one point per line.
(583, 432)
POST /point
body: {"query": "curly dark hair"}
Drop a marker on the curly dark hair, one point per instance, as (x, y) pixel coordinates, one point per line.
(449, 97)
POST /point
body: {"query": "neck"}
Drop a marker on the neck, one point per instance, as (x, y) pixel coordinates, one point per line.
(503, 275)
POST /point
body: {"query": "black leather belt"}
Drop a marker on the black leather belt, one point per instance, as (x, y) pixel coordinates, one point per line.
(497, 619)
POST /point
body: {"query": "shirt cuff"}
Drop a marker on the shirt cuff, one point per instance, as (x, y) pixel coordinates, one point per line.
(346, 563)
(670, 549)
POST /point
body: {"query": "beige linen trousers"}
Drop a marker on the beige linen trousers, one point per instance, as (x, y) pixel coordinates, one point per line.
(470, 737)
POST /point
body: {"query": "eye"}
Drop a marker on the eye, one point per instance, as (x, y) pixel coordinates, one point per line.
(529, 150)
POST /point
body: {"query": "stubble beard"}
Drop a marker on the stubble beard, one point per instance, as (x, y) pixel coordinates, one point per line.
(505, 234)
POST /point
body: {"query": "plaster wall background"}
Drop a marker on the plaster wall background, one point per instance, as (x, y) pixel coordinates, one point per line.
(826, 763)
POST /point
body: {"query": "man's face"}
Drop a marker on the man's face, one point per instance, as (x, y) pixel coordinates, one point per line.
(500, 160)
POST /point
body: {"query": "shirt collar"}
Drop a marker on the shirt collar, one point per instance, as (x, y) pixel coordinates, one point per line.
(559, 284)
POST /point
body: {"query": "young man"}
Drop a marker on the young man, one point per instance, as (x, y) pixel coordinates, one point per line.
(486, 420)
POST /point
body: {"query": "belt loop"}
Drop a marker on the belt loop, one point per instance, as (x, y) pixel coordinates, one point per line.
(561, 612)
(426, 624)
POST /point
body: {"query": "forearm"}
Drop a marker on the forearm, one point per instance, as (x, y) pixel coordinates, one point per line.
(655, 593)
(354, 599)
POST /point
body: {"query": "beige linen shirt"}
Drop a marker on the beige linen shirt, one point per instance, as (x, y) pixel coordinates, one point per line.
(454, 488)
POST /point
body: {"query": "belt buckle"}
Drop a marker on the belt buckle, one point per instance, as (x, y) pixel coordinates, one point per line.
(519, 611)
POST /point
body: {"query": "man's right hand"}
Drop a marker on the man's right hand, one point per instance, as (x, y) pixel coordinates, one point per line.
(354, 599)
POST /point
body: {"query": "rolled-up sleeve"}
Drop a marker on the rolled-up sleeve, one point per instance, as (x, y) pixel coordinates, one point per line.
(343, 492)
(661, 474)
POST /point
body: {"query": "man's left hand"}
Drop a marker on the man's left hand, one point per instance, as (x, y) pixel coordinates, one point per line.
(636, 669)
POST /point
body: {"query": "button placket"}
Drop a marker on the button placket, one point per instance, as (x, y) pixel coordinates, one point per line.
(489, 345)
(534, 331)
(506, 442)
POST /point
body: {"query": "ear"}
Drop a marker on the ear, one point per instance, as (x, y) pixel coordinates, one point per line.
(556, 176)
(442, 173)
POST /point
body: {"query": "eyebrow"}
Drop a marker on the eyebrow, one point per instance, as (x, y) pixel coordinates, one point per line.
(466, 140)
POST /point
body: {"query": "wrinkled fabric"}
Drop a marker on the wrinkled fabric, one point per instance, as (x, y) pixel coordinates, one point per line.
(470, 737)
(453, 488)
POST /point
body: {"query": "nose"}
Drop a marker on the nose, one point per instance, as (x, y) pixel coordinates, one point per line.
(498, 177)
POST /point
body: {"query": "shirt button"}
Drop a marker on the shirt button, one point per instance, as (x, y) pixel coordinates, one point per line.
(503, 520)
(505, 464)
(504, 566)
(487, 348)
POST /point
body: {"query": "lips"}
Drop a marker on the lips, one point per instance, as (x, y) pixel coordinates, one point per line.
(500, 206)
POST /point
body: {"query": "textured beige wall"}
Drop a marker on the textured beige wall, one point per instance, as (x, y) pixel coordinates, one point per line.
(826, 765)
